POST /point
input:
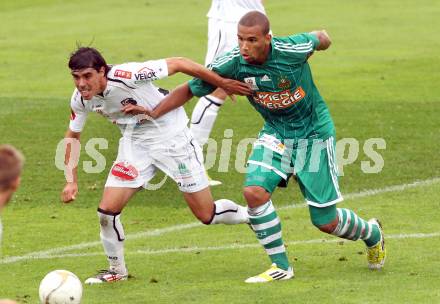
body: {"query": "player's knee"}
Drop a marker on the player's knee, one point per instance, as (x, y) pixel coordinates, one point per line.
(204, 213)
(324, 224)
(204, 217)
(255, 195)
(328, 228)
(325, 219)
(104, 216)
(109, 207)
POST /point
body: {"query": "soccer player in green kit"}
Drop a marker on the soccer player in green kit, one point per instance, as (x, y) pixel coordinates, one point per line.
(298, 137)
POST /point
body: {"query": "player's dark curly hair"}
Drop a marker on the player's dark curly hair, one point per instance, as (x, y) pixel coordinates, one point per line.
(87, 57)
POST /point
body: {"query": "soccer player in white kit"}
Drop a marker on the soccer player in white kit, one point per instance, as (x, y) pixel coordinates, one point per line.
(118, 93)
(11, 164)
(223, 17)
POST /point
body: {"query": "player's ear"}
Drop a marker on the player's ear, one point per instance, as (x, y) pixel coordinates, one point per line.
(102, 70)
(268, 37)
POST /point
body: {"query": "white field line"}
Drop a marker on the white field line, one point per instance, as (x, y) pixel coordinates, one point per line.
(221, 248)
(158, 232)
(371, 192)
(133, 236)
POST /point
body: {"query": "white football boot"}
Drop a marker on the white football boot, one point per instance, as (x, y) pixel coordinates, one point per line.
(272, 274)
(106, 276)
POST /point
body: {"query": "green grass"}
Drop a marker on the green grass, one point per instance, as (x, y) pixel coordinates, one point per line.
(380, 79)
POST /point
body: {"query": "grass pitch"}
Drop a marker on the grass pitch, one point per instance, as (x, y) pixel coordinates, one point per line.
(380, 79)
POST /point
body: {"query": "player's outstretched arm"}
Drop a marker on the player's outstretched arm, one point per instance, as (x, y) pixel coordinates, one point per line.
(324, 40)
(178, 97)
(189, 67)
(72, 151)
(7, 301)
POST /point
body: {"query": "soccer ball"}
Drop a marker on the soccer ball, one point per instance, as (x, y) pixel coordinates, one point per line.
(60, 287)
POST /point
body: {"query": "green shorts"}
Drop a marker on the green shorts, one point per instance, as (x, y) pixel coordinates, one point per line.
(274, 160)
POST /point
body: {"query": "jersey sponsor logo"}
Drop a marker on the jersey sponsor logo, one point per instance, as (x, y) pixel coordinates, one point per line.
(252, 82)
(123, 74)
(129, 100)
(279, 100)
(183, 185)
(72, 115)
(271, 143)
(145, 74)
(124, 171)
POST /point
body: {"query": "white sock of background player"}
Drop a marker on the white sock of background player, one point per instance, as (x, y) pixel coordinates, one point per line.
(203, 117)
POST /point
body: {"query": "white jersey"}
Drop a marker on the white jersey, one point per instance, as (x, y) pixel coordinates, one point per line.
(233, 10)
(131, 83)
(222, 24)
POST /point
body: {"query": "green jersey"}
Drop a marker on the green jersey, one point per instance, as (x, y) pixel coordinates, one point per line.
(284, 91)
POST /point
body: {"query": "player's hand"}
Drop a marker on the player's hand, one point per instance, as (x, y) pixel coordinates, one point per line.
(69, 192)
(232, 87)
(134, 109)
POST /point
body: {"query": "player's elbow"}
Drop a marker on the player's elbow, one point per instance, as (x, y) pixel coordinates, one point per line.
(324, 40)
(177, 64)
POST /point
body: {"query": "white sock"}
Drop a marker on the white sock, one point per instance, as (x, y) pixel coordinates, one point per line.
(203, 117)
(112, 238)
(229, 213)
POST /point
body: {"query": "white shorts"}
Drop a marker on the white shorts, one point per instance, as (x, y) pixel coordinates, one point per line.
(222, 38)
(178, 157)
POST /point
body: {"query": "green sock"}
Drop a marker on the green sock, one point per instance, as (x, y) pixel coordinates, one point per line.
(352, 227)
(267, 227)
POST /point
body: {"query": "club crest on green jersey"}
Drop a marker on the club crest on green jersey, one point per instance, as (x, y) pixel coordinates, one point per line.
(284, 83)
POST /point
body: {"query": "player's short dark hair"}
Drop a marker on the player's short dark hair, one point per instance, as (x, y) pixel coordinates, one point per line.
(254, 18)
(11, 164)
(87, 57)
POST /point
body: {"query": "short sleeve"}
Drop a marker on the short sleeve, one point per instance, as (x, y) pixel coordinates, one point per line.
(200, 88)
(138, 73)
(225, 65)
(306, 40)
(297, 47)
(78, 114)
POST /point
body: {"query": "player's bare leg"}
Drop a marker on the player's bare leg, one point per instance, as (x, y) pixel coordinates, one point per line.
(113, 201)
(203, 118)
(209, 212)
